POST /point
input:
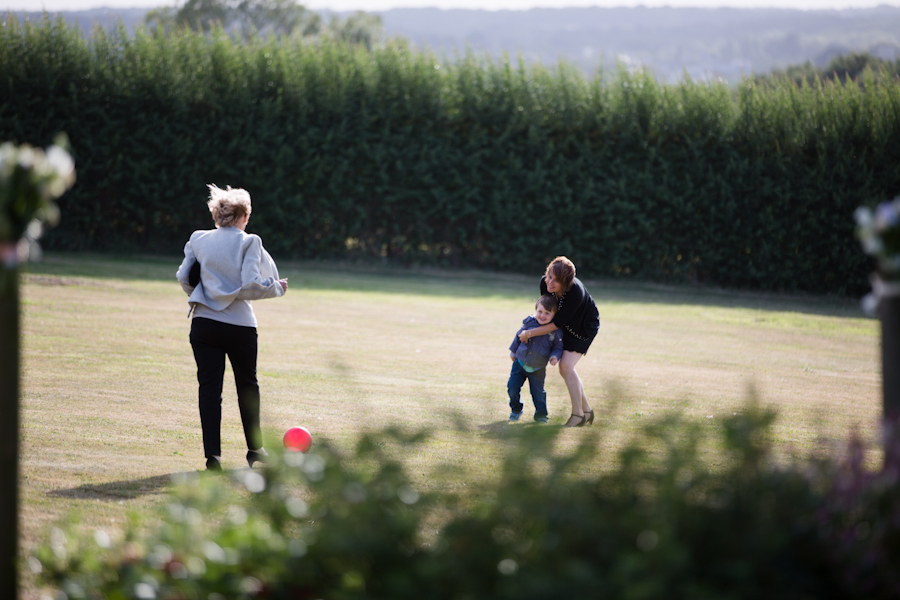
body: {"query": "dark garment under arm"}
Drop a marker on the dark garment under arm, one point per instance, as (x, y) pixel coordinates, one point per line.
(576, 316)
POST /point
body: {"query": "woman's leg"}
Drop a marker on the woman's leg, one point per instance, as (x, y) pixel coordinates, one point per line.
(210, 358)
(242, 353)
(573, 382)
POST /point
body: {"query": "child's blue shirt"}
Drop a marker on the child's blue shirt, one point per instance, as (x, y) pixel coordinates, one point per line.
(536, 352)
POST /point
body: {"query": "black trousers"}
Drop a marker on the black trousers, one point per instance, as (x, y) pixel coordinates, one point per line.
(211, 342)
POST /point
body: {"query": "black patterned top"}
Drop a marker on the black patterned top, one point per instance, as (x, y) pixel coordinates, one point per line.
(576, 312)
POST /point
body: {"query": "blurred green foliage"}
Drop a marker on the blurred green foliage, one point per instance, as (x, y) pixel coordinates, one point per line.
(397, 154)
(658, 522)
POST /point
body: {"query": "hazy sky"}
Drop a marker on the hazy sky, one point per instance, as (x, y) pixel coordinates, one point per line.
(340, 5)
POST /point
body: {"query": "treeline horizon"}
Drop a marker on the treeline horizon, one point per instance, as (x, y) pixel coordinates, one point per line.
(396, 154)
(703, 42)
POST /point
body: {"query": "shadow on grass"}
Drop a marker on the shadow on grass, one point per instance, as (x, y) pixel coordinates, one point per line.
(505, 430)
(121, 490)
(496, 429)
(61, 268)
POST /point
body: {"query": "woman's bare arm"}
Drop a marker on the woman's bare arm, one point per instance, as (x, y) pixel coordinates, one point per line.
(542, 330)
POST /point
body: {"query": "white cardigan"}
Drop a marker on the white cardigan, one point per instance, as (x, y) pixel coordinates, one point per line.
(234, 270)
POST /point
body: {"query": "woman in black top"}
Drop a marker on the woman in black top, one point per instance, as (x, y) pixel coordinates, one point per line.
(578, 319)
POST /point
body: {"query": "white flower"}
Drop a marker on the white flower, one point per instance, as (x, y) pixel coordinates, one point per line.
(872, 244)
(26, 156)
(102, 538)
(254, 482)
(508, 566)
(213, 551)
(61, 161)
(873, 228)
(864, 217)
(886, 216)
(407, 495)
(144, 591)
(891, 263)
(297, 507)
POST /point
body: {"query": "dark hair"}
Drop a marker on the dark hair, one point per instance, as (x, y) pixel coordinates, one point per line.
(548, 302)
(562, 270)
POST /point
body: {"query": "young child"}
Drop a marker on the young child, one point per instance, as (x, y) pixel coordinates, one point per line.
(529, 360)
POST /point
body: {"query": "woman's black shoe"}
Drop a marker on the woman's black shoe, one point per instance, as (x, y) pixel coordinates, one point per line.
(575, 421)
(257, 456)
(213, 464)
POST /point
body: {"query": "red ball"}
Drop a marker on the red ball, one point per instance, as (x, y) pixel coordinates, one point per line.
(297, 439)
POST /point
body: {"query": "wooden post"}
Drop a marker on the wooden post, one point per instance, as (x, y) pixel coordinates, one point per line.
(30, 180)
(889, 315)
(9, 421)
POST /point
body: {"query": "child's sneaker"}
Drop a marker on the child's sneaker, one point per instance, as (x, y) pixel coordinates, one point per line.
(541, 419)
(514, 416)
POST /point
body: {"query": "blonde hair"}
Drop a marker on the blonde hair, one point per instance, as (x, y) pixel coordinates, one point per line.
(563, 271)
(228, 206)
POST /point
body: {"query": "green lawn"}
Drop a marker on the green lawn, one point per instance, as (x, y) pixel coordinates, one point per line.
(109, 389)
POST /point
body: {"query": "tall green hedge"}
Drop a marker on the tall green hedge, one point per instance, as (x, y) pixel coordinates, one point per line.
(398, 153)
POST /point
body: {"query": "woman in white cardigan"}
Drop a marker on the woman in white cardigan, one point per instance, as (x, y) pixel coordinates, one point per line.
(224, 269)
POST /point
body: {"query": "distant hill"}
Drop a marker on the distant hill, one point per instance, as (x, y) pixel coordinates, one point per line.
(721, 42)
(88, 19)
(704, 42)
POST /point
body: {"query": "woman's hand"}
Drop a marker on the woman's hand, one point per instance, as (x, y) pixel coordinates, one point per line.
(283, 283)
(537, 331)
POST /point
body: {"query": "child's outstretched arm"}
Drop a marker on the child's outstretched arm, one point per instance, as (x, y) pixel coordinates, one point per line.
(557, 350)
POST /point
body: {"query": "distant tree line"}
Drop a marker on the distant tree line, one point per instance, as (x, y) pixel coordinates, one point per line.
(247, 18)
(843, 68)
